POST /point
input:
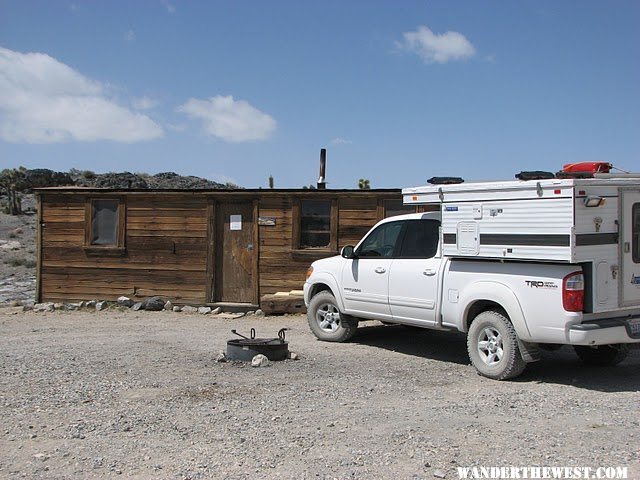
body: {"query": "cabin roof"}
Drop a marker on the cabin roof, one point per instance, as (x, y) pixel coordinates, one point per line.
(217, 191)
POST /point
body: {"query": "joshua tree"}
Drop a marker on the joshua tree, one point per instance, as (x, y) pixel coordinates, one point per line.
(10, 181)
(364, 184)
(270, 181)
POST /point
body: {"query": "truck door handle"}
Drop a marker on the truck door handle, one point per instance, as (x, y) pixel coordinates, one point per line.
(627, 247)
(380, 270)
(429, 272)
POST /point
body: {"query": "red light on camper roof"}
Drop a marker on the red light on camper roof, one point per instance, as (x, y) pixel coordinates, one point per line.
(557, 191)
(415, 198)
(582, 192)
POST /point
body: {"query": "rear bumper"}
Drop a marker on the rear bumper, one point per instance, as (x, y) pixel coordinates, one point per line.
(606, 332)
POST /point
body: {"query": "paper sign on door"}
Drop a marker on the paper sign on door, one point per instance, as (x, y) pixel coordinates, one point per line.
(235, 222)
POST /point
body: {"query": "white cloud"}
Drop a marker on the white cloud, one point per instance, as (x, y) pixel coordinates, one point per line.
(340, 141)
(45, 101)
(130, 36)
(230, 120)
(145, 103)
(169, 6)
(176, 127)
(434, 48)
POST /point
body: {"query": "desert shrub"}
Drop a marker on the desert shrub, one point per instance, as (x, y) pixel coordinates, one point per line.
(20, 262)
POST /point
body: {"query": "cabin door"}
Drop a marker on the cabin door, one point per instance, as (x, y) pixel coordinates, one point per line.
(236, 254)
(630, 244)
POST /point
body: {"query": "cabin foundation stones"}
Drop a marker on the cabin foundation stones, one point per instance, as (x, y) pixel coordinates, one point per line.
(152, 304)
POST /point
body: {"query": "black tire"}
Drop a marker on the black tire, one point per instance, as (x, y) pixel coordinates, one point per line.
(493, 348)
(602, 355)
(327, 322)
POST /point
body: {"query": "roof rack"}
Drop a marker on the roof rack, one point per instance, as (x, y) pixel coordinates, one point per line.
(563, 174)
(535, 175)
(445, 180)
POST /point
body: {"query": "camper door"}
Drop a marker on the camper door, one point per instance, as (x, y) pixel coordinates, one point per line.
(630, 247)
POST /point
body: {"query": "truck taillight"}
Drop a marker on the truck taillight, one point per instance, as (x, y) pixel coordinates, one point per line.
(309, 272)
(573, 292)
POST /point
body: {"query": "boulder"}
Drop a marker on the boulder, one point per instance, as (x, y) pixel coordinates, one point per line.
(125, 301)
(294, 356)
(153, 304)
(189, 309)
(168, 306)
(10, 245)
(204, 310)
(137, 306)
(44, 307)
(101, 306)
(260, 361)
(221, 357)
(176, 308)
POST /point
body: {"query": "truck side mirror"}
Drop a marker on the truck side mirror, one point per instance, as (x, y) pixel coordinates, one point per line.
(348, 252)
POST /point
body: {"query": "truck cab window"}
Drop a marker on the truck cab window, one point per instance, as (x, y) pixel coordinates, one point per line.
(420, 239)
(381, 242)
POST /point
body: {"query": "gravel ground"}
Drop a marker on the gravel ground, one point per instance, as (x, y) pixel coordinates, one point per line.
(88, 395)
(18, 254)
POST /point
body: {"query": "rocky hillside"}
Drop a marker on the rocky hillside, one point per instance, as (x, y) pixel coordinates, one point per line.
(26, 180)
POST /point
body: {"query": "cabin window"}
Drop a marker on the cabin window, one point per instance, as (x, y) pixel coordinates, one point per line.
(635, 232)
(395, 207)
(315, 223)
(315, 226)
(104, 219)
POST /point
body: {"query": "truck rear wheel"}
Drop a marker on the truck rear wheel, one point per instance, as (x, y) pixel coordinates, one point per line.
(327, 322)
(602, 355)
(492, 344)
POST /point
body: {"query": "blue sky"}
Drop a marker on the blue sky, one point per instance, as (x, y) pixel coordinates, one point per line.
(396, 91)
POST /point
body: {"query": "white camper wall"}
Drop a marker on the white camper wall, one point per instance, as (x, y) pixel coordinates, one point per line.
(530, 229)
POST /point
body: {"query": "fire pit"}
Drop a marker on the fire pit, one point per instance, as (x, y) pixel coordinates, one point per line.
(245, 348)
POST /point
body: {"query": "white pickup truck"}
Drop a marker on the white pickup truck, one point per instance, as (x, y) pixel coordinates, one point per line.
(511, 295)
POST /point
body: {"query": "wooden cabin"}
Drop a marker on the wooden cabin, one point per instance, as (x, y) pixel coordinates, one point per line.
(194, 247)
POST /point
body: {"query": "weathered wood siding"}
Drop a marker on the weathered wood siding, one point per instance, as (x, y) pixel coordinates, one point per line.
(171, 239)
(355, 217)
(278, 271)
(282, 268)
(166, 251)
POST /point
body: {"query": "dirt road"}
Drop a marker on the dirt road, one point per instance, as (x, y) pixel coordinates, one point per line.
(92, 395)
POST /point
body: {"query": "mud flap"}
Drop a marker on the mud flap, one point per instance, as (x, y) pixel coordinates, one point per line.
(529, 351)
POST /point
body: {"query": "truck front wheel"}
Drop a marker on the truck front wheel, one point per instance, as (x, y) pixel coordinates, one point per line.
(326, 321)
(492, 344)
(602, 355)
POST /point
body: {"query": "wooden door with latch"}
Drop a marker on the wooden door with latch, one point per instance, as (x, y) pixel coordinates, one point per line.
(236, 254)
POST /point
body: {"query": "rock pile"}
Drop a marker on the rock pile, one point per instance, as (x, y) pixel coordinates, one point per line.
(153, 304)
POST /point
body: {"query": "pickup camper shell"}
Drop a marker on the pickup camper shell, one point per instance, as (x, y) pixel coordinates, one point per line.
(594, 222)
